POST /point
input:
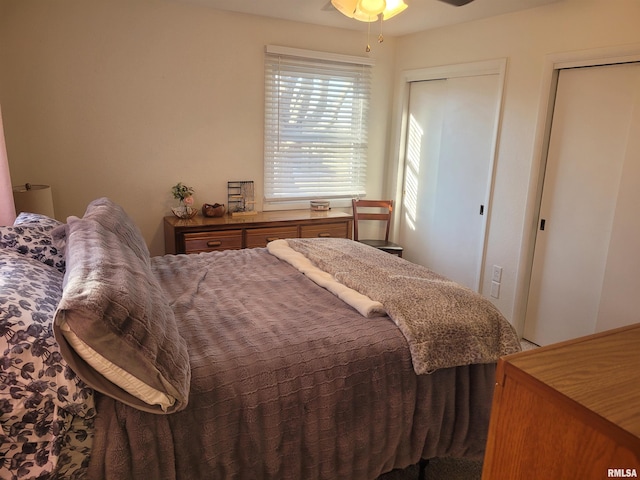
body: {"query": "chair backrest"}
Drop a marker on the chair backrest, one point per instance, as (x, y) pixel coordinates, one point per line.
(373, 210)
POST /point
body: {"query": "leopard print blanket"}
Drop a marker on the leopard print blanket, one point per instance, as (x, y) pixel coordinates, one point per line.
(444, 323)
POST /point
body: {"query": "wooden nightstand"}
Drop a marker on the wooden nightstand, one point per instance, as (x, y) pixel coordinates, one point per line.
(569, 410)
(202, 234)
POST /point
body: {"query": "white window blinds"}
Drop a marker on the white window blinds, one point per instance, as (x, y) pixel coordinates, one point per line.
(316, 108)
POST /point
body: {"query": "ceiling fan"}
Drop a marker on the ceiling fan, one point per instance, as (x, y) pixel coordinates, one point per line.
(457, 3)
(369, 10)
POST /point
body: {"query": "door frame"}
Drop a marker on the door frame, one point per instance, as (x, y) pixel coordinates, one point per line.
(487, 67)
(552, 66)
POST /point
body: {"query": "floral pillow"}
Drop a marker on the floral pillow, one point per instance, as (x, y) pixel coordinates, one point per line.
(38, 219)
(29, 295)
(38, 390)
(33, 240)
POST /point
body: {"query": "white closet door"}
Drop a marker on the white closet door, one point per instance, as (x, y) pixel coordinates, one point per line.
(450, 138)
(587, 151)
(620, 300)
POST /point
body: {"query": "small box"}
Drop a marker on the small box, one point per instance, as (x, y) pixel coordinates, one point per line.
(320, 205)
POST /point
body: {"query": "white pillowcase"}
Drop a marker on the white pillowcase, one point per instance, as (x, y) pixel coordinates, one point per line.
(115, 374)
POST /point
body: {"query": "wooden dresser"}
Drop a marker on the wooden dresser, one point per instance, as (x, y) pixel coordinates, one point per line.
(568, 411)
(202, 234)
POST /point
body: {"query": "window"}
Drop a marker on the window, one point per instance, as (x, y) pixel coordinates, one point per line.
(316, 109)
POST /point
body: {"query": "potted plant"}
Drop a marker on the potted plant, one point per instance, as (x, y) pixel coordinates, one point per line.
(184, 195)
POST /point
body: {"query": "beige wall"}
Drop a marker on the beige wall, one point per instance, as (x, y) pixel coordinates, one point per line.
(525, 39)
(125, 98)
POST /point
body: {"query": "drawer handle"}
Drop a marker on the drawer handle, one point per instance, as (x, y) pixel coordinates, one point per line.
(214, 243)
(271, 239)
(324, 235)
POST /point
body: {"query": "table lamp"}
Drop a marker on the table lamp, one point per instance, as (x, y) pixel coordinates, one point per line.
(33, 199)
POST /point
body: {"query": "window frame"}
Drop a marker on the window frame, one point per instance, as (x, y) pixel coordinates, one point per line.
(341, 151)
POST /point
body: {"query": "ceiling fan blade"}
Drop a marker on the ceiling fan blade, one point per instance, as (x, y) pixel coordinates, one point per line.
(457, 3)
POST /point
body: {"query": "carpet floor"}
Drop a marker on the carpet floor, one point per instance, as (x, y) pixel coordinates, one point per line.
(440, 469)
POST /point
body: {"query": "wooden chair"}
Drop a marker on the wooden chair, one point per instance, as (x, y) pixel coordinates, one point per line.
(382, 210)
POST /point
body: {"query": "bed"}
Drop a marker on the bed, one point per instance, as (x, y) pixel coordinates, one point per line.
(311, 358)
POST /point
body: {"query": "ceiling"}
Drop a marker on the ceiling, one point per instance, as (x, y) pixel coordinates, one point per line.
(421, 14)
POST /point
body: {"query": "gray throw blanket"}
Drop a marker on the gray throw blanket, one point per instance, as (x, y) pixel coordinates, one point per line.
(445, 324)
(114, 327)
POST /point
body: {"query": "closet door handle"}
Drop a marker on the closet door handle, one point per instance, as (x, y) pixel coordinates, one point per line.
(542, 223)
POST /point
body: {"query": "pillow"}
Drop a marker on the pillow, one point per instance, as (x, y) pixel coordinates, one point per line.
(35, 377)
(33, 240)
(113, 217)
(36, 218)
(114, 326)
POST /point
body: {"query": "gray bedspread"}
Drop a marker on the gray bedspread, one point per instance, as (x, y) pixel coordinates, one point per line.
(288, 382)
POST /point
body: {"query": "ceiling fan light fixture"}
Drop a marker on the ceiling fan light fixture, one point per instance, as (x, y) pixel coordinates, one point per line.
(364, 17)
(369, 10)
(373, 8)
(346, 7)
(393, 8)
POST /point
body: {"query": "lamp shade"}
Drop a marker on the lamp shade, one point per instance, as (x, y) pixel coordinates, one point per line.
(33, 199)
(372, 7)
(369, 10)
(393, 8)
(345, 7)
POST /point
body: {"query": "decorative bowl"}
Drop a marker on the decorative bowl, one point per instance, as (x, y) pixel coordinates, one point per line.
(184, 212)
(215, 210)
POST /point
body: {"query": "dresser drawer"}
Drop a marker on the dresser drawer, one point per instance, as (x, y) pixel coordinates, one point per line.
(259, 237)
(210, 241)
(203, 234)
(328, 230)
